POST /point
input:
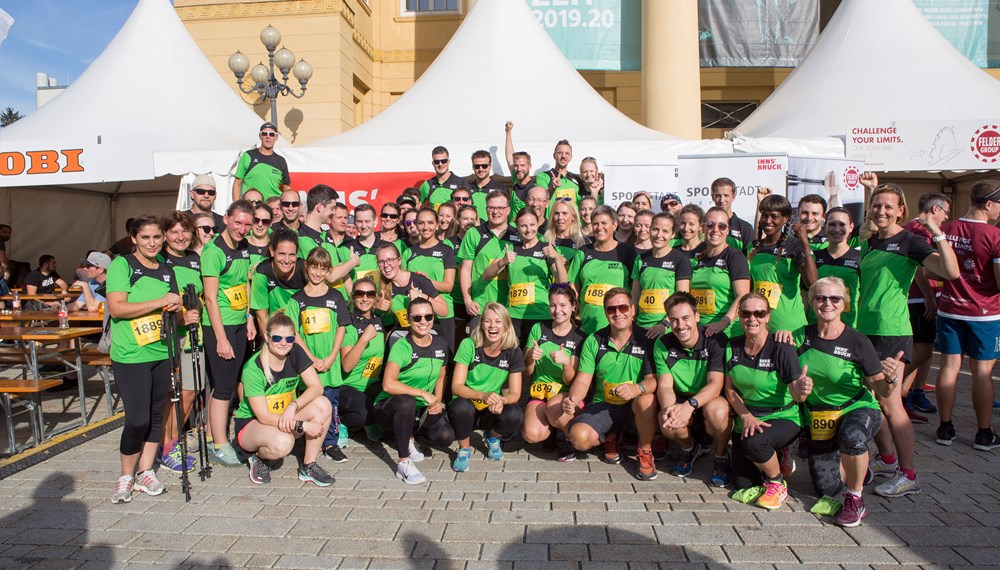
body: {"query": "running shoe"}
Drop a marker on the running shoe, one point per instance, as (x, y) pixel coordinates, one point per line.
(647, 465)
(685, 463)
(869, 476)
(915, 418)
(986, 440)
(920, 403)
(899, 486)
(415, 455)
(123, 490)
(225, 455)
(611, 454)
(407, 472)
(722, 473)
(172, 460)
(775, 493)
(852, 512)
(335, 454)
(260, 472)
(312, 472)
(786, 461)
(945, 433)
(148, 483)
(461, 462)
(883, 469)
(342, 436)
(565, 452)
(493, 450)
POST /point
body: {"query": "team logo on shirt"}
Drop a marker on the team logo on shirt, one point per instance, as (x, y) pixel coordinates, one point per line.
(969, 264)
(842, 352)
(570, 344)
(330, 304)
(538, 255)
(438, 354)
(668, 265)
(436, 253)
(765, 363)
(637, 351)
(704, 353)
(851, 263)
(892, 247)
(503, 364)
(721, 263)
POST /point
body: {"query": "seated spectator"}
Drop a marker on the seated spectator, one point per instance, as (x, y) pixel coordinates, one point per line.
(92, 288)
(43, 281)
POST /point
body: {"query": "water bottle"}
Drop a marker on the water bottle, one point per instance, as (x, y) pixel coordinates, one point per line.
(63, 315)
(15, 302)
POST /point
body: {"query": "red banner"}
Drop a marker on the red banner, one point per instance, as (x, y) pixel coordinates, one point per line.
(375, 188)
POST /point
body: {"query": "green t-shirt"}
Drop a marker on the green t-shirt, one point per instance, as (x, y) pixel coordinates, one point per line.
(139, 339)
(658, 277)
(433, 262)
(611, 366)
(712, 286)
(265, 172)
(740, 234)
(689, 367)
(401, 298)
(546, 370)
(369, 367)
(268, 292)
(846, 267)
(481, 246)
(487, 373)
(258, 253)
(232, 268)
(568, 189)
(188, 272)
(775, 272)
(281, 391)
(368, 267)
(455, 243)
(435, 192)
(597, 272)
(530, 276)
(838, 368)
(310, 239)
(317, 320)
(569, 250)
(762, 380)
(479, 194)
(419, 367)
(887, 270)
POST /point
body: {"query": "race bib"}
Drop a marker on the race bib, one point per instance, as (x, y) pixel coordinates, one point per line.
(371, 367)
(594, 295)
(479, 404)
(146, 330)
(521, 294)
(770, 291)
(315, 321)
(362, 274)
(238, 297)
(338, 284)
(706, 301)
(823, 425)
(401, 317)
(609, 395)
(544, 390)
(277, 403)
(565, 194)
(651, 300)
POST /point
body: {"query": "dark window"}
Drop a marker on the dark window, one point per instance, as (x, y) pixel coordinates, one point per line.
(725, 114)
(432, 5)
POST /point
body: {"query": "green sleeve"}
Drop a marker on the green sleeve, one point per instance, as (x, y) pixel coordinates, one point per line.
(119, 275)
(401, 352)
(258, 292)
(212, 262)
(305, 246)
(660, 358)
(292, 310)
(254, 383)
(543, 179)
(533, 335)
(636, 268)
(587, 355)
(574, 269)
(467, 251)
(243, 166)
(425, 191)
(466, 352)
(350, 336)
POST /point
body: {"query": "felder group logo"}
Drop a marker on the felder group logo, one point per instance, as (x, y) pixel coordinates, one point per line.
(985, 144)
(852, 177)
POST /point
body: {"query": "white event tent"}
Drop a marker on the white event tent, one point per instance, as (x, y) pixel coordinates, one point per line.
(148, 109)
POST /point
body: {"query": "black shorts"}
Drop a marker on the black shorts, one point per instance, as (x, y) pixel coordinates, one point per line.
(604, 417)
(889, 346)
(238, 425)
(924, 331)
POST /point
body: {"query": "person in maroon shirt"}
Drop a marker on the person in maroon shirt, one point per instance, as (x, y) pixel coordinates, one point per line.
(968, 319)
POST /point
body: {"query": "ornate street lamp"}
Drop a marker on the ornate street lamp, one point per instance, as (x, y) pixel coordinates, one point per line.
(265, 83)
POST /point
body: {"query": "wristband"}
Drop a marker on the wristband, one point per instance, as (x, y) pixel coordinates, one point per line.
(939, 238)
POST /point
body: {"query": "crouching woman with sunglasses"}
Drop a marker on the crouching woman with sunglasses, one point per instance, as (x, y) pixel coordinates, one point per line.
(273, 413)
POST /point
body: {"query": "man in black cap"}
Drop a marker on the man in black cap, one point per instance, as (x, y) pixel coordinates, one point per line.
(671, 204)
(262, 168)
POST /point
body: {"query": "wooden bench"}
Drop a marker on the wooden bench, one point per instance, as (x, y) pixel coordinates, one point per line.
(28, 394)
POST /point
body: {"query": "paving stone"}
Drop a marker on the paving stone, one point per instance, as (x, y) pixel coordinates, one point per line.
(980, 555)
(271, 528)
(870, 535)
(684, 535)
(447, 550)
(630, 553)
(632, 534)
(304, 562)
(545, 534)
(484, 533)
(859, 554)
(569, 552)
(254, 545)
(931, 536)
(534, 517)
(770, 554)
(342, 547)
(792, 536)
(618, 517)
(514, 552)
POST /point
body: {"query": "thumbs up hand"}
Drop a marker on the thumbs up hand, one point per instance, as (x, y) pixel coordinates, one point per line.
(803, 385)
(559, 356)
(510, 256)
(533, 352)
(890, 367)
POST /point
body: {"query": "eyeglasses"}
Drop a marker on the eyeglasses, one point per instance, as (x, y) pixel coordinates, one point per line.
(832, 299)
(421, 318)
(387, 261)
(480, 166)
(461, 199)
(358, 294)
(390, 216)
(207, 229)
(612, 309)
(290, 204)
(759, 314)
(204, 191)
(947, 212)
(276, 338)
(255, 202)
(496, 208)
(264, 221)
(712, 225)
(269, 134)
(440, 161)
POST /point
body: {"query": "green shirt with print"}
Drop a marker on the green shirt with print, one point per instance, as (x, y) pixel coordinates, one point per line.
(317, 320)
(847, 268)
(268, 292)
(887, 269)
(547, 371)
(486, 373)
(433, 262)
(481, 246)
(712, 286)
(689, 367)
(232, 268)
(838, 368)
(597, 272)
(278, 393)
(612, 366)
(657, 278)
(530, 276)
(369, 366)
(139, 339)
(762, 380)
(775, 272)
(419, 366)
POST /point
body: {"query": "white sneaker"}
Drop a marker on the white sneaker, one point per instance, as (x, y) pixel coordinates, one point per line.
(123, 490)
(415, 455)
(899, 486)
(148, 483)
(409, 473)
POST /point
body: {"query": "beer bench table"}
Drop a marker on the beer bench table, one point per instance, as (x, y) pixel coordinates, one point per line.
(50, 316)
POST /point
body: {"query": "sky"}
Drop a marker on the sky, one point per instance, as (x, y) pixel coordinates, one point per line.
(58, 37)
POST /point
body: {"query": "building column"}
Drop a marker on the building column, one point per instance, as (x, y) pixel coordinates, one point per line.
(671, 70)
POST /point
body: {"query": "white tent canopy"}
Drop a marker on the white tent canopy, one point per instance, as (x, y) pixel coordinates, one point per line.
(877, 61)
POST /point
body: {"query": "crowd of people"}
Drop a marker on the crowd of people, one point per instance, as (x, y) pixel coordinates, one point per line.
(539, 315)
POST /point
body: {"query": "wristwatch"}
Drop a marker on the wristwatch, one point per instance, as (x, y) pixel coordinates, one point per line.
(693, 402)
(642, 387)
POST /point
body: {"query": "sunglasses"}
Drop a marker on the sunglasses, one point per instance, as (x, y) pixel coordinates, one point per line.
(408, 222)
(204, 191)
(390, 216)
(207, 229)
(712, 225)
(269, 134)
(612, 309)
(358, 294)
(759, 314)
(558, 286)
(265, 221)
(421, 318)
(670, 204)
(832, 299)
(462, 199)
(565, 199)
(290, 204)
(276, 338)
(480, 166)
(255, 202)
(440, 161)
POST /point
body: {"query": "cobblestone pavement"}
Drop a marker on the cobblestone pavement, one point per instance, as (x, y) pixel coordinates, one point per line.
(525, 512)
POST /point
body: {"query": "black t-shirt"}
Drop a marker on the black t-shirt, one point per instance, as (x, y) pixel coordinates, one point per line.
(46, 284)
(124, 246)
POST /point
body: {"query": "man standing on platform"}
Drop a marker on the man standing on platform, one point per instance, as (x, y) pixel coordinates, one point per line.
(262, 168)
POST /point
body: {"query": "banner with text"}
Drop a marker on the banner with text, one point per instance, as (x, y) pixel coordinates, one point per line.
(756, 34)
(356, 188)
(964, 23)
(622, 181)
(594, 34)
(926, 145)
(749, 172)
(835, 179)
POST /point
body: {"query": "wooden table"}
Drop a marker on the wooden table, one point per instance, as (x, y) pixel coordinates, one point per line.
(50, 316)
(71, 294)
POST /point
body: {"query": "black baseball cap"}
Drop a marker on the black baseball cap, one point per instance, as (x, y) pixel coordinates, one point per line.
(268, 125)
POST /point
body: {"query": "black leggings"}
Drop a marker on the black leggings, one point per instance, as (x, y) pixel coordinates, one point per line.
(465, 417)
(355, 406)
(399, 413)
(144, 388)
(224, 375)
(759, 448)
(854, 430)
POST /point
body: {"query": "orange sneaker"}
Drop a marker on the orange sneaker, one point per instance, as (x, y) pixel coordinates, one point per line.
(647, 465)
(611, 454)
(775, 492)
